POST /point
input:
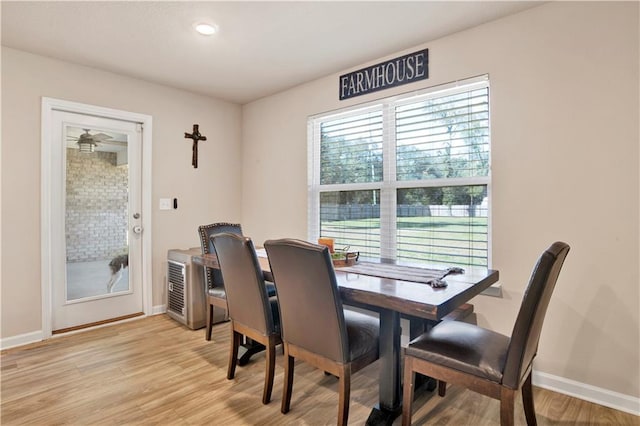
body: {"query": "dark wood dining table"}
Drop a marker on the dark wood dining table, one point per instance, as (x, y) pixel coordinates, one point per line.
(392, 298)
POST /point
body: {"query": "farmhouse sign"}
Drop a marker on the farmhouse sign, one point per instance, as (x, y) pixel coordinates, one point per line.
(395, 72)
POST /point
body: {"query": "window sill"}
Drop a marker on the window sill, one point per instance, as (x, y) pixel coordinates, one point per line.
(494, 291)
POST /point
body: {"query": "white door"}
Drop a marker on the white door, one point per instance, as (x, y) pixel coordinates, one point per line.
(97, 237)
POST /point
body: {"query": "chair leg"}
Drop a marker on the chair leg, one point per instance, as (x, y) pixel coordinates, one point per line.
(207, 335)
(344, 395)
(407, 390)
(527, 401)
(233, 353)
(442, 387)
(506, 406)
(288, 381)
(268, 375)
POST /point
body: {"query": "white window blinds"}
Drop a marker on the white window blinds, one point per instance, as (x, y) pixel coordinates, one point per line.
(351, 149)
(444, 137)
(407, 179)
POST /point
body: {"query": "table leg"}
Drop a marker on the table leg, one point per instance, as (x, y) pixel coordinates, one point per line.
(390, 390)
(247, 350)
(418, 326)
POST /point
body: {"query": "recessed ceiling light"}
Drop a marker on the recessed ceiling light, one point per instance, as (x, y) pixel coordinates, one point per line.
(205, 29)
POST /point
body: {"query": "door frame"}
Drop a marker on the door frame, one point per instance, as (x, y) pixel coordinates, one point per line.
(48, 106)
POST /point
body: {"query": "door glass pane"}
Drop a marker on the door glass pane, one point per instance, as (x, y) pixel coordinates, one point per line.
(96, 218)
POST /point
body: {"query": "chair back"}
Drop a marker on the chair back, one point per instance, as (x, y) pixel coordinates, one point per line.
(526, 331)
(311, 315)
(214, 278)
(247, 297)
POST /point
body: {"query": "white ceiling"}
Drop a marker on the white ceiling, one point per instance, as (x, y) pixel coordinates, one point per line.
(261, 48)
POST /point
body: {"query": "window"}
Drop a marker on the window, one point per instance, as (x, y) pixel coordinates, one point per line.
(406, 179)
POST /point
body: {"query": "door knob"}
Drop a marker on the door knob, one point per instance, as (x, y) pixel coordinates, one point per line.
(137, 229)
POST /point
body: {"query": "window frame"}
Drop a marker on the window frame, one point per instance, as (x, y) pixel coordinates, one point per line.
(389, 186)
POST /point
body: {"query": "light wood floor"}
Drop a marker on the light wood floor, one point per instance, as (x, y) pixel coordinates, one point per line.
(156, 371)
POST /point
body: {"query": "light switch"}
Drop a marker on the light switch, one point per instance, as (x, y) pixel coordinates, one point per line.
(165, 203)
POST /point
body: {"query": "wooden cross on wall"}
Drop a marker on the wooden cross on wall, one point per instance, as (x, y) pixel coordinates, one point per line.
(196, 136)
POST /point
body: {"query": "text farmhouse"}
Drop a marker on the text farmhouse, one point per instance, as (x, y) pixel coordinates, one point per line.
(395, 72)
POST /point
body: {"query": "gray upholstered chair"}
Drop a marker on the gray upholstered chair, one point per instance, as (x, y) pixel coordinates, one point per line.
(252, 312)
(315, 328)
(215, 294)
(485, 361)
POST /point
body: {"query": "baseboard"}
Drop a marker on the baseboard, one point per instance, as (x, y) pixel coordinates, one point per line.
(21, 339)
(159, 309)
(37, 336)
(590, 393)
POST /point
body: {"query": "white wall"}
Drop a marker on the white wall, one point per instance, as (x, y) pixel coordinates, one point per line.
(206, 194)
(564, 116)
